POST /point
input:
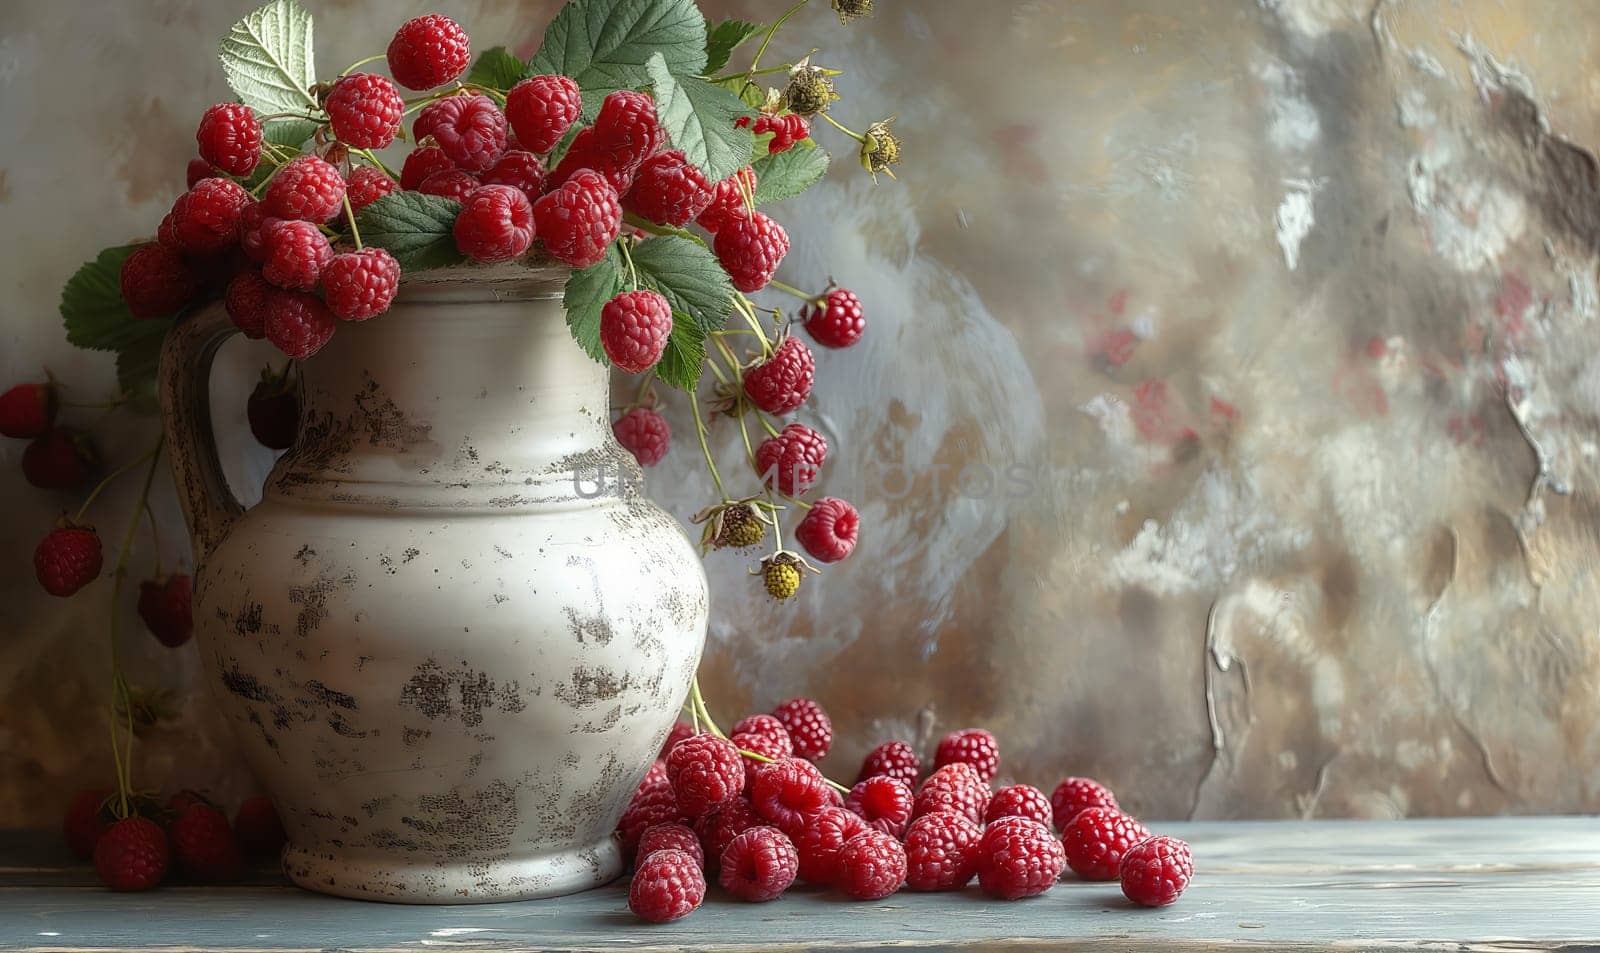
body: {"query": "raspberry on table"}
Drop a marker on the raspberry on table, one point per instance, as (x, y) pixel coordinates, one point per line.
(422, 163)
(870, 866)
(579, 220)
(1156, 872)
(769, 746)
(428, 51)
(634, 327)
(133, 854)
(808, 725)
(667, 886)
(452, 184)
(86, 819)
(654, 803)
(973, 746)
(728, 200)
(230, 138)
(758, 865)
(366, 185)
(838, 321)
(896, 759)
(541, 109)
(644, 433)
(655, 774)
(495, 224)
(1018, 800)
(721, 825)
(783, 382)
(819, 840)
(364, 110)
(298, 323)
(296, 253)
(156, 281)
(519, 168)
(786, 791)
(305, 188)
(67, 559)
(257, 827)
(668, 190)
(1097, 838)
(941, 851)
(672, 835)
(954, 787)
(829, 530)
(166, 608)
(360, 284)
(768, 728)
(705, 771)
(28, 410)
(205, 219)
(789, 461)
(750, 249)
(470, 129)
(1075, 794)
(680, 730)
(204, 846)
(1018, 858)
(61, 458)
(883, 802)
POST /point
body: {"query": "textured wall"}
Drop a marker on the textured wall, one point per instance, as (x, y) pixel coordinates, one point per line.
(1275, 320)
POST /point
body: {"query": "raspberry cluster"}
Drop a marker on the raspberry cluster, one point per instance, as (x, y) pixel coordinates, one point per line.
(136, 843)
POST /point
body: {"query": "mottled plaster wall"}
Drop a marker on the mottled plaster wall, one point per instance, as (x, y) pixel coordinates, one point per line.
(1277, 320)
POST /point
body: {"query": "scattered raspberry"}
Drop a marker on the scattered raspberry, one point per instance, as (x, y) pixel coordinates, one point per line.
(132, 854)
(645, 434)
(1096, 840)
(204, 845)
(871, 866)
(784, 382)
(1018, 800)
(941, 851)
(246, 302)
(164, 605)
(454, 184)
(198, 169)
(579, 220)
(364, 110)
(633, 329)
(667, 886)
(205, 219)
(786, 791)
(360, 284)
(254, 223)
(258, 829)
(838, 321)
(495, 224)
(422, 163)
(274, 413)
(60, 459)
(808, 725)
(428, 51)
(819, 840)
(651, 805)
(759, 865)
(296, 254)
(668, 190)
(1156, 872)
(829, 530)
(67, 559)
(895, 759)
(954, 787)
(728, 200)
(366, 185)
(306, 189)
(518, 168)
(86, 819)
(750, 250)
(156, 281)
(470, 129)
(1018, 858)
(298, 324)
(230, 138)
(705, 771)
(671, 836)
(771, 747)
(718, 828)
(884, 803)
(680, 730)
(973, 746)
(768, 728)
(541, 109)
(27, 410)
(1075, 794)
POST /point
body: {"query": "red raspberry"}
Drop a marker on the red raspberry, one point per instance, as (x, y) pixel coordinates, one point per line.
(165, 607)
(541, 109)
(306, 188)
(185, 798)
(786, 130)
(246, 302)
(797, 130)
(838, 322)
(366, 185)
(671, 836)
(518, 168)
(495, 224)
(60, 459)
(156, 281)
(941, 851)
(667, 886)
(871, 866)
(829, 530)
(770, 746)
(626, 132)
(759, 865)
(1156, 872)
(790, 460)
(470, 129)
(718, 828)
(668, 190)
(1096, 840)
(27, 410)
(423, 163)
(954, 787)
(787, 790)
(230, 138)
(645, 434)
(454, 184)
(885, 803)
(296, 253)
(205, 219)
(1075, 794)
(680, 730)
(651, 805)
(768, 728)
(360, 284)
(257, 827)
(86, 819)
(428, 51)
(972, 746)
(1018, 800)
(132, 854)
(579, 220)
(273, 411)
(750, 250)
(198, 169)
(633, 329)
(784, 382)
(254, 223)
(808, 725)
(68, 559)
(896, 759)
(728, 200)
(705, 771)
(364, 110)
(656, 774)
(204, 845)
(298, 324)
(818, 843)
(1018, 858)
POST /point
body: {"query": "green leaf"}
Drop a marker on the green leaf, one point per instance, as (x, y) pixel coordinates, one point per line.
(496, 68)
(723, 39)
(699, 119)
(787, 174)
(268, 59)
(291, 133)
(137, 363)
(93, 310)
(417, 229)
(688, 275)
(587, 293)
(685, 354)
(604, 44)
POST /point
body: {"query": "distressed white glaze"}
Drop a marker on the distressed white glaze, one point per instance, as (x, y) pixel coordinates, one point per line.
(452, 635)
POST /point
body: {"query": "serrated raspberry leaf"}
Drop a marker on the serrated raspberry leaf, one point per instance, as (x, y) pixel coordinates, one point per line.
(496, 68)
(268, 59)
(688, 275)
(724, 38)
(603, 45)
(92, 308)
(685, 354)
(787, 174)
(749, 93)
(699, 118)
(586, 295)
(291, 133)
(416, 229)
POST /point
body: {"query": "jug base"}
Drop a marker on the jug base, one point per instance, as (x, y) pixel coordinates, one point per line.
(399, 879)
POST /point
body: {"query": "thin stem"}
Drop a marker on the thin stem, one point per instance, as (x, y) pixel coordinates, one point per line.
(367, 154)
(835, 123)
(645, 380)
(489, 91)
(700, 431)
(350, 216)
(792, 290)
(700, 703)
(111, 477)
(645, 225)
(371, 59)
(101, 405)
(155, 535)
(755, 72)
(633, 274)
(767, 40)
(119, 685)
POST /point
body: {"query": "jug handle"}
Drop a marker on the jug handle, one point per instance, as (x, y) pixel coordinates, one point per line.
(209, 506)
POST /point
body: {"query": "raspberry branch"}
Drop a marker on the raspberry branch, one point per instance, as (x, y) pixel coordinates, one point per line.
(122, 701)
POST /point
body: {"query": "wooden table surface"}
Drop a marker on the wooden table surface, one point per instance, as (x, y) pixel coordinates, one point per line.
(1483, 884)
